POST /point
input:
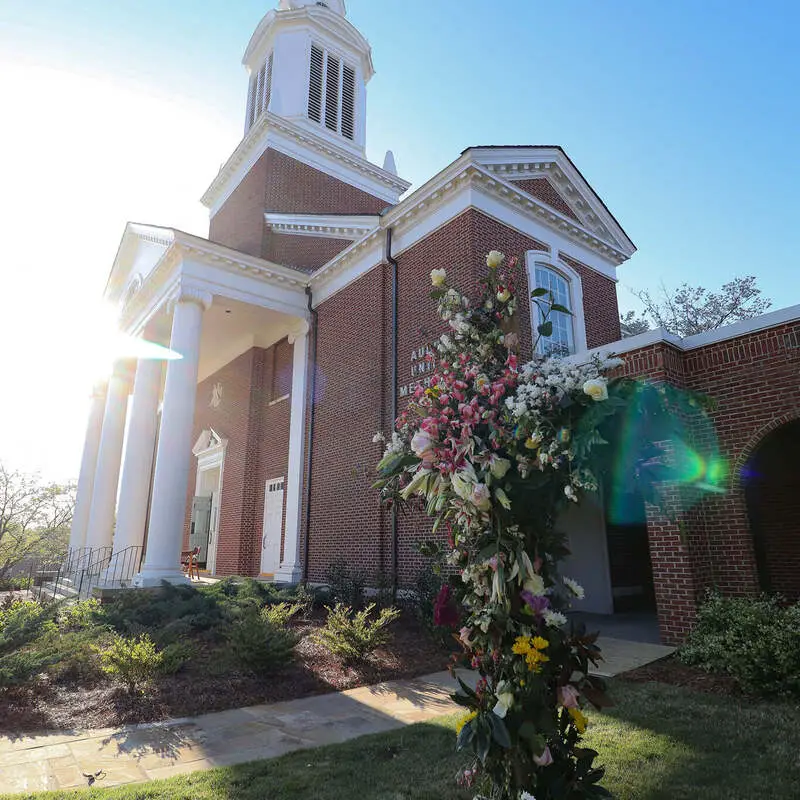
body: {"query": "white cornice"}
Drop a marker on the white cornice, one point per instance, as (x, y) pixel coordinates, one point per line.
(773, 319)
(462, 185)
(273, 131)
(333, 25)
(519, 163)
(329, 226)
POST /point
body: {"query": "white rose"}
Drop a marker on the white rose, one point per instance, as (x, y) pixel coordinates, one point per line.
(504, 701)
(597, 389)
(534, 585)
(503, 295)
(421, 443)
(570, 493)
(494, 259)
(499, 467)
(438, 277)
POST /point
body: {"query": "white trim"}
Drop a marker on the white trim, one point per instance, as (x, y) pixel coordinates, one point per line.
(534, 258)
(210, 453)
(328, 226)
(282, 490)
(307, 146)
(773, 319)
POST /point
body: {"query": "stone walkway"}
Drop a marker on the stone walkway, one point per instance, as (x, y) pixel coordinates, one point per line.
(138, 753)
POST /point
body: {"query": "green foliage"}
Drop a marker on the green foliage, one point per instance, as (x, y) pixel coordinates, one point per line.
(259, 646)
(281, 614)
(15, 583)
(79, 615)
(345, 585)
(73, 655)
(426, 588)
(353, 635)
(175, 656)
(134, 661)
(756, 640)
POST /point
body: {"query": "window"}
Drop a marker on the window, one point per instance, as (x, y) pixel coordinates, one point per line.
(562, 342)
(332, 93)
(260, 92)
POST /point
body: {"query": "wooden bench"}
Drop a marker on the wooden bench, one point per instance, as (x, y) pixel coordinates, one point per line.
(190, 563)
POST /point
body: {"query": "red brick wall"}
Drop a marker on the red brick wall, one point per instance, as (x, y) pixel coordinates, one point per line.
(307, 253)
(543, 190)
(257, 431)
(281, 184)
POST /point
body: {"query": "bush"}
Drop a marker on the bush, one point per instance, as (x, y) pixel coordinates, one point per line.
(258, 645)
(22, 624)
(351, 635)
(73, 655)
(756, 640)
(79, 615)
(135, 661)
(344, 586)
(175, 656)
(281, 614)
(15, 583)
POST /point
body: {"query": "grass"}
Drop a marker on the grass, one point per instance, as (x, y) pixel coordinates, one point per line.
(659, 743)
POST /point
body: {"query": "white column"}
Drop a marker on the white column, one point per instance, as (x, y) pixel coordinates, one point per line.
(137, 467)
(291, 570)
(168, 508)
(100, 531)
(91, 446)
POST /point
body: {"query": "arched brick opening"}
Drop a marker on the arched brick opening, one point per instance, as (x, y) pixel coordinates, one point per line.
(771, 483)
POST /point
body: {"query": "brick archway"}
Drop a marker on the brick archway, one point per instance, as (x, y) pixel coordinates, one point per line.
(769, 482)
(753, 444)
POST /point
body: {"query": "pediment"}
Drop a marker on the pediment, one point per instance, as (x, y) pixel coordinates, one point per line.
(208, 441)
(548, 175)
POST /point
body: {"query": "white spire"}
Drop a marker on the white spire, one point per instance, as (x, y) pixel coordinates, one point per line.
(337, 6)
(389, 163)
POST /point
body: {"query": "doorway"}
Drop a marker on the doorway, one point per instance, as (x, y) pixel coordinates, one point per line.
(272, 528)
(205, 521)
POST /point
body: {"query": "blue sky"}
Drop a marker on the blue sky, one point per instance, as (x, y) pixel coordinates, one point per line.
(684, 116)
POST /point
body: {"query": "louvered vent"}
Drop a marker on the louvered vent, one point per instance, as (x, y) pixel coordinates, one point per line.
(348, 102)
(260, 90)
(315, 84)
(332, 94)
(268, 84)
(251, 103)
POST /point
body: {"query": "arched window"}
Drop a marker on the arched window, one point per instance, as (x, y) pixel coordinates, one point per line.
(562, 342)
(558, 277)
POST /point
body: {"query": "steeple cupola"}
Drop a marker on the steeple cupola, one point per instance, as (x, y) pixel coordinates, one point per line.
(309, 65)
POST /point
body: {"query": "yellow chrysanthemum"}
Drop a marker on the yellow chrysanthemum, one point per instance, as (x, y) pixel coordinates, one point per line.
(521, 646)
(540, 643)
(464, 720)
(579, 718)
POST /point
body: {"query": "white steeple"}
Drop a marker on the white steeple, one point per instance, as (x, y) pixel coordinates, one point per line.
(309, 57)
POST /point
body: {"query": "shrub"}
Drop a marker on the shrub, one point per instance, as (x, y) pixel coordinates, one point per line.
(281, 614)
(346, 586)
(756, 640)
(73, 655)
(132, 660)
(258, 645)
(352, 635)
(22, 625)
(15, 583)
(174, 656)
(82, 614)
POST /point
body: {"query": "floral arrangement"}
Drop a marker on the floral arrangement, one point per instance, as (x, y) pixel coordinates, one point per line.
(494, 450)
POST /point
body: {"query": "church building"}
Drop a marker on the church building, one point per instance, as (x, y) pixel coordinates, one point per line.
(303, 320)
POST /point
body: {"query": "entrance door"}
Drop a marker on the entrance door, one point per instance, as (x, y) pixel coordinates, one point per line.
(273, 523)
(201, 527)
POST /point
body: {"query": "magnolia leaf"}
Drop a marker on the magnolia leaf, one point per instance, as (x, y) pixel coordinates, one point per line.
(465, 736)
(560, 308)
(539, 292)
(546, 328)
(499, 731)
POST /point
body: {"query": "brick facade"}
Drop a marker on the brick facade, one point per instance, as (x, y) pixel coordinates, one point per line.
(281, 184)
(543, 190)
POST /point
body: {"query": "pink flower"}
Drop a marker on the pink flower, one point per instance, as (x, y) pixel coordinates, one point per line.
(568, 696)
(463, 634)
(445, 612)
(545, 759)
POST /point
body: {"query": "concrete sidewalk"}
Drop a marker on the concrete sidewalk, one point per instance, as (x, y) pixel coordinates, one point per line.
(139, 753)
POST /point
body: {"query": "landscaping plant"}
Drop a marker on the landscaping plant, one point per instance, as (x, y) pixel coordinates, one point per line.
(353, 635)
(755, 640)
(495, 450)
(258, 645)
(133, 660)
(22, 623)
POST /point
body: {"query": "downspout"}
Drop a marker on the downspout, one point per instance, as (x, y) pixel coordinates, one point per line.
(393, 263)
(310, 449)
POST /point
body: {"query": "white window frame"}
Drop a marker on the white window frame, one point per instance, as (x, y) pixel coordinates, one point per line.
(541, 258)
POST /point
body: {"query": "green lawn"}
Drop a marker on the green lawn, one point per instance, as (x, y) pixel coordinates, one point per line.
(657, 742)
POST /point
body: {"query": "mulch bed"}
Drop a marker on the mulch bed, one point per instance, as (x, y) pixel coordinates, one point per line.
(670, 670)
(202, 687)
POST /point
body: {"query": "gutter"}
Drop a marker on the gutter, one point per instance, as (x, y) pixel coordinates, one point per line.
(311, 414)
(393, 262)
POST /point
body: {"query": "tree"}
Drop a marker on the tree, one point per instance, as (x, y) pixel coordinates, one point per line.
(35, 517)
(688, 310)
